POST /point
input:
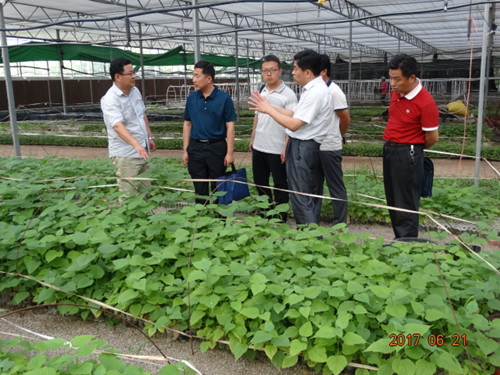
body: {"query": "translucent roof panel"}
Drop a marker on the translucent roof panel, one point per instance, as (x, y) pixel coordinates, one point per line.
(363, 29)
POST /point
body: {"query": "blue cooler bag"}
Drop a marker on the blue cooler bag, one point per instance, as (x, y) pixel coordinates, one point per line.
(234, 190)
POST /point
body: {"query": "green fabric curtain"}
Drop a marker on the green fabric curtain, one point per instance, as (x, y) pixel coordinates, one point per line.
(36, 52)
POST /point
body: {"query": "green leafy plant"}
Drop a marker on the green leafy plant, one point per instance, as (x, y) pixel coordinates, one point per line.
(18, 356)
(321, 295)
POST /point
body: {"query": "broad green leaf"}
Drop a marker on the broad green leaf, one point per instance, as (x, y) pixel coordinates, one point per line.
(380, 291)
(261, 336)
(238, 348)
(281, 341)
(417, 281)
(257, 288)
(381, 346)
(415, 328)
(423, 367)
(49, 344)
(170, 370)
(81, 262)
(396, 310)
(317, 354)
(250, 312)
(290, 361)
(210, 301)
(336, 363)
(21, 296)
(37, 362)
(31, 264)
(297, 347)
(270, 350)
(487, 345)
(343, 320)
(196, 316)
(433, 314)
(351, 338)
(127, 296)
(312, 292)
(295, 298)
(52, 254)
(81, 340)
(327, 332)
(403, 366)
(354, 287)
(305, 311)
(80, 238)
(306, 329)
(446, 361)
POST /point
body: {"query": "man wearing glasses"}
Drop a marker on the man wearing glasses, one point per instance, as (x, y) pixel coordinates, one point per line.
(129, 137)
(268, 140)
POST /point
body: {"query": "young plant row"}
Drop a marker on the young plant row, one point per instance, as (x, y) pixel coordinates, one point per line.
(318, 295)
(82, 355)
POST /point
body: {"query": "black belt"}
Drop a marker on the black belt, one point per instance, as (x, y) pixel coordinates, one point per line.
(208, 141)
(396, 144)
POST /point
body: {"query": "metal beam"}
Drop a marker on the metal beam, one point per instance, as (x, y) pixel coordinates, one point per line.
(351, 11)
(206, 14)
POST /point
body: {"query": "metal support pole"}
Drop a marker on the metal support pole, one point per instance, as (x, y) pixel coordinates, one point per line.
(350, 65)
(8, 85)
(248, 68)
(482, 86)
(61, 71)
(262, 32)
(196, 30)
(236, 57)
(143, 83)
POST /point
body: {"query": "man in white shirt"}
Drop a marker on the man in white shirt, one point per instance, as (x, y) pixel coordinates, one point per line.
(129, 137)
(331, 148)
(307, 127)
(268, 140)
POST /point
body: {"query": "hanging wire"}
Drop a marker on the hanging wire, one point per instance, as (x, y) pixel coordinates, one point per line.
(127, 25)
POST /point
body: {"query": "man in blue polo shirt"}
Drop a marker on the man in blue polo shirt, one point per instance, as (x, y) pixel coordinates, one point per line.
(208, 132)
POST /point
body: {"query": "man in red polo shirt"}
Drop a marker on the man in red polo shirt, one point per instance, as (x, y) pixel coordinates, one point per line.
(412, 126)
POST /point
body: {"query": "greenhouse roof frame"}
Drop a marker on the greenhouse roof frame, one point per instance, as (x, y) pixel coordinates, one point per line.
(426, 29)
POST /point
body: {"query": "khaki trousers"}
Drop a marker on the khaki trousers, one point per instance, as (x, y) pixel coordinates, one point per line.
(130, 167)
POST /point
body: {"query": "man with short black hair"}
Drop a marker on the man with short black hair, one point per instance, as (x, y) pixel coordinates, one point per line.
(307, 126)
(331, 148)
(413, 125)
(129, 137)
(268, 139)
(208, 131)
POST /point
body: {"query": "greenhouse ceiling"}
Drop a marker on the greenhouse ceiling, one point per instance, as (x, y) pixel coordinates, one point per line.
(363, 30)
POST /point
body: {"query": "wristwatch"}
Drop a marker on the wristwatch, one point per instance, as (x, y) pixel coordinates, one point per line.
(151, 138)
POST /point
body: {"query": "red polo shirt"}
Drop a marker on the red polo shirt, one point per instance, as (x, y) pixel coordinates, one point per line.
(410, 116)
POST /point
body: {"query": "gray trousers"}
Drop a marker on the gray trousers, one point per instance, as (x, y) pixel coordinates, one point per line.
(303, 168)
(130, 167)
(331, 162)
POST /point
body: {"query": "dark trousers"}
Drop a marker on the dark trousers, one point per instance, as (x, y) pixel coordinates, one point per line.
(403, 171)
(265, 165)
(206, 161)
(331, 163)
(303, 168)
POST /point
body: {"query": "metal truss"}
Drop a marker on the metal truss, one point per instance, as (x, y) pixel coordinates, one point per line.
(351, 11)
(89, 28)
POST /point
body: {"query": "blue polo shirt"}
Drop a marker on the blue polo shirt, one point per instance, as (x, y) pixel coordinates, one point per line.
(209, 115)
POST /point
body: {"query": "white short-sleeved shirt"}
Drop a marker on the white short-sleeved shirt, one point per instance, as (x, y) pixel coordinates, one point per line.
(315, 109)
(333, 141)
(270, 137)
(129, 110)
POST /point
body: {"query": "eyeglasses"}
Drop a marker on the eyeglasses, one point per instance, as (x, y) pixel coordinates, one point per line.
(269, 71)
(128, 74)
